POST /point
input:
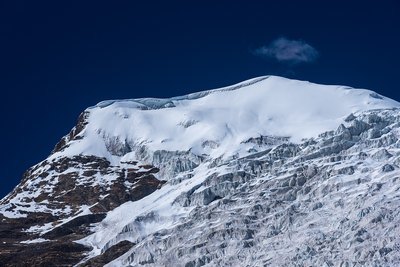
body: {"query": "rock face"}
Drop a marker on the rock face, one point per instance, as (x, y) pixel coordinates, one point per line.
(238, 196)
(57, 202)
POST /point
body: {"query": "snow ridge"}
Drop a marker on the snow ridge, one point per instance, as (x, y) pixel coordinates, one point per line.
(217, 123)
(157, 103)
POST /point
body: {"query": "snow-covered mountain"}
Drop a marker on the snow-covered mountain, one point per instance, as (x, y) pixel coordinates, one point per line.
(267, 172)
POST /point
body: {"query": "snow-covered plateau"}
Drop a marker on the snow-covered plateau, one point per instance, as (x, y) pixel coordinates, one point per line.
(267, 172)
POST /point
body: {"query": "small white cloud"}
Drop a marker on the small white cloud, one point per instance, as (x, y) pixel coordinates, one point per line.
(289, 51)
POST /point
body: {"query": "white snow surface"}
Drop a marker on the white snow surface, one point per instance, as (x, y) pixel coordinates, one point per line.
(159, 205)
(215, 125)
(264, 106)
(225, 118)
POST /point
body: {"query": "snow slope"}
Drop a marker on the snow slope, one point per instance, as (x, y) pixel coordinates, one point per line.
(329, 201)
(213, 124)
(216, 122)
(270, 171)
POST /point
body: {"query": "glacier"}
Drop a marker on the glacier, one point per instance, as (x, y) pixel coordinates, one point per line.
(267, 172)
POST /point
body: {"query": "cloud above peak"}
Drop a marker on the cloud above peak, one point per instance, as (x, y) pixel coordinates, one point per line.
(288, 51)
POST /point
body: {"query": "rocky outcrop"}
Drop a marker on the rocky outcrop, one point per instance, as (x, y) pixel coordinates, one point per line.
(49, 253)
(109, 255)
(74, 134)
(58, 201)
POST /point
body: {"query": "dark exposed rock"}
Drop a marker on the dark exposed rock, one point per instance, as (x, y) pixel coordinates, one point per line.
(52, 253)
(267, 140)
(109, 255)
(79, 225)
(71, 189)
(74, 133)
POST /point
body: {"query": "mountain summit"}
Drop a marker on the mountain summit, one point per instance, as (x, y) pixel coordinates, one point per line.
(226, 117)
(267, 172)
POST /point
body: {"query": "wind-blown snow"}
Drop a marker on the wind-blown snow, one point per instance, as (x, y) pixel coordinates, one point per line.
(265, 106)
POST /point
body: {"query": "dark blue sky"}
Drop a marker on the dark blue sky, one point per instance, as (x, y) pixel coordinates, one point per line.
(59, 57)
